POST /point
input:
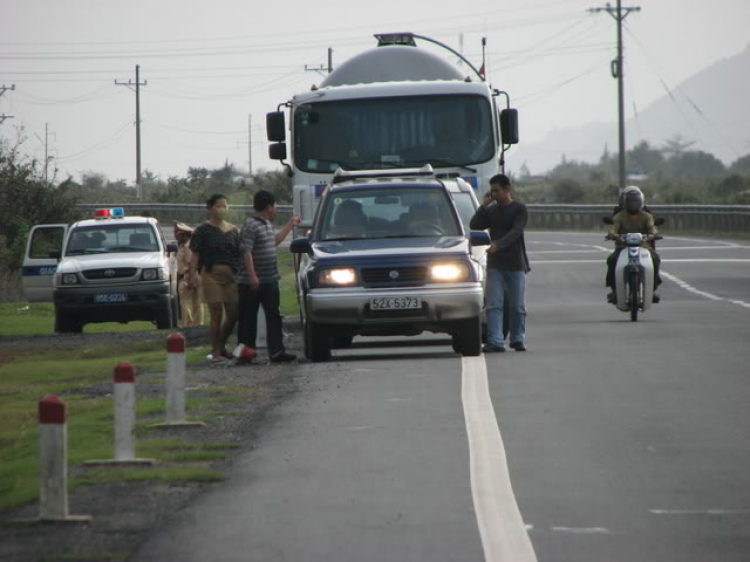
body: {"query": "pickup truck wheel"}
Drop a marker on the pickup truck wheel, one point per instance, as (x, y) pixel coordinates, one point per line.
(468, 337)
(67, 324)
(341, 342)
(164, 318)
(317, 343)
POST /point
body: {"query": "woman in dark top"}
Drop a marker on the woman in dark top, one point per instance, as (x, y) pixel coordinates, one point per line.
(216, 253)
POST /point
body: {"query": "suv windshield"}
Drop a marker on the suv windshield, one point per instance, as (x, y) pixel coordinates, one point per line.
(400, 212)
(112, 238)
(401, 132)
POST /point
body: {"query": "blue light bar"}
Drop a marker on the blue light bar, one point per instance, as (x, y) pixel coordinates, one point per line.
(117, 212)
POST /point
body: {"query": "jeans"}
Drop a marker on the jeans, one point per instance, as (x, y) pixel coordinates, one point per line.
(497, 285)
(268, 296)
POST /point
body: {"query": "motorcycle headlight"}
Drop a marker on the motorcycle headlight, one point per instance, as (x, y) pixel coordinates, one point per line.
(339, 276)
(153, 274)
(69, 279)
(450, 272)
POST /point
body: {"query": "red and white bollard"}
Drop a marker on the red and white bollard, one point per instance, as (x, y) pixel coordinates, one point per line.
(53, 462)
(124, 417)
(176, 361)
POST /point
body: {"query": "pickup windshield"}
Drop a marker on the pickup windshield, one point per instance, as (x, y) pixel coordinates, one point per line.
(380, 133)
(112, 238)
(401, 212)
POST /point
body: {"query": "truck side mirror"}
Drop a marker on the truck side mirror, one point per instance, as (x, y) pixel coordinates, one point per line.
(509, 126)
(277, 151)
(479, 238)
(301, 246)
(275, 126)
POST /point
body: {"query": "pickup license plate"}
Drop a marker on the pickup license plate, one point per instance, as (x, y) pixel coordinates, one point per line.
(396, 303)
(111, 297)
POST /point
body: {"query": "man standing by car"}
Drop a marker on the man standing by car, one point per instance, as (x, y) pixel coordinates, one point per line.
(507, 264)
(259, 277)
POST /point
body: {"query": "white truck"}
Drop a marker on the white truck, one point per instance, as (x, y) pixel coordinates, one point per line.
(392, 107)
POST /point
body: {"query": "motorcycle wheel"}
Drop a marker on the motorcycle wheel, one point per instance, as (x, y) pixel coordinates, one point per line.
(634, 285)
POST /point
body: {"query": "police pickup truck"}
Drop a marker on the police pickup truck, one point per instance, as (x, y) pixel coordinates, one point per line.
(111, 268)
(390, 254)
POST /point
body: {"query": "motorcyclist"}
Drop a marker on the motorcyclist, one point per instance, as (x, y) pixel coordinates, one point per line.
(632, 219)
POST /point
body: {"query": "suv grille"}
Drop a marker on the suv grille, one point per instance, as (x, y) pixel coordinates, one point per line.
(110, 273)
(394, 274)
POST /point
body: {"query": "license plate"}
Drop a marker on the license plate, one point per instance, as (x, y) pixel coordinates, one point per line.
(396, 303)
(111, 297)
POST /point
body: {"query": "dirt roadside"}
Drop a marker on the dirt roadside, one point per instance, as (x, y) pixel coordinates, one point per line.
(126, 514)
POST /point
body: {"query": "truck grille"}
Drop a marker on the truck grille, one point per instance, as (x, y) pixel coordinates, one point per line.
(110, 273)
(398, 275)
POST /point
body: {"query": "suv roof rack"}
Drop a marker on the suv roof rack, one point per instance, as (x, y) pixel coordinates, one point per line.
(342, 175)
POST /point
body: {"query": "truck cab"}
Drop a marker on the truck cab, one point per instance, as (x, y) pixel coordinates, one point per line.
(111, 268)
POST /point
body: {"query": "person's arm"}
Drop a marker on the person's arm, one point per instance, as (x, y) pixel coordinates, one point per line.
(250, 268)
(282, 234)
(247, 242)
(650, 226)
(515, 232)
(480, 220)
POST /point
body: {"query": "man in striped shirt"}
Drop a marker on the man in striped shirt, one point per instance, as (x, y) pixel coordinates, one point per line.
(258, 277)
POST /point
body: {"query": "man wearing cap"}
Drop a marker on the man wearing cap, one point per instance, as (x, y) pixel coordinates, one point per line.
(190, 301)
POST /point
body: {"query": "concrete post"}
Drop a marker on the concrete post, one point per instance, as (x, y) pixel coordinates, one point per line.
(175, 384)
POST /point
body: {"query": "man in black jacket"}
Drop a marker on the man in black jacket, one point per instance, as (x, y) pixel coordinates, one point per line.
(507, 264)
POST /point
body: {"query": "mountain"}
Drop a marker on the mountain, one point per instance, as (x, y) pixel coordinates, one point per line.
(710, 108)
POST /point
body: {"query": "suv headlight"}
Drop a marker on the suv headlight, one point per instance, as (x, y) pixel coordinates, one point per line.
(153, 274)
(68, 279)
(450, 272)
(338, 276)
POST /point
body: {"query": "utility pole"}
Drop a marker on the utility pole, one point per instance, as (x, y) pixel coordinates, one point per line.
(4, 89)
(137, 84)
(322, 68)
(619, 13)
(250, 144)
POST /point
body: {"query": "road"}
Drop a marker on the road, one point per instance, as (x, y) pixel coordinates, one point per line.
(607, 440)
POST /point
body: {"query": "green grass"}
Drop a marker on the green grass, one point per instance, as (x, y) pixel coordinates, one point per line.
(38, 318)
(26, 377)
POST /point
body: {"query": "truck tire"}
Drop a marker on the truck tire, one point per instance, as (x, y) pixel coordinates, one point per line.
(468, 337)
(67, 324)
(317, 343)
(164, 318)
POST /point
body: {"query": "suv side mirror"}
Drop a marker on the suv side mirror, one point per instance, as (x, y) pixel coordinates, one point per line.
(509, 126)
(301, 246)
(479, 238)
(277, 151)
(275, 126)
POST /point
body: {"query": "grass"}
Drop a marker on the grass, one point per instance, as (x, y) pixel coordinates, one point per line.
(38, 318)
(25, 377)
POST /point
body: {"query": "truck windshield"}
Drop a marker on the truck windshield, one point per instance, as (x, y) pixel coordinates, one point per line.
(379, 133)
(398, 212)
(111, 238)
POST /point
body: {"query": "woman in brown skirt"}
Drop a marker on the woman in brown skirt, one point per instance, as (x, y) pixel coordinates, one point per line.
(216, 253)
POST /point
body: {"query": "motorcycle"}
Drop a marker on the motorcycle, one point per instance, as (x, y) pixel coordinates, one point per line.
(634, 273)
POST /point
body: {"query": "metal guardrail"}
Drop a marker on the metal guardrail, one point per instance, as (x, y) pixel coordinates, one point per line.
(709, 218)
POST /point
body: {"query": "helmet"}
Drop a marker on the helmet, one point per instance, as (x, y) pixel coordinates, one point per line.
(633, 199)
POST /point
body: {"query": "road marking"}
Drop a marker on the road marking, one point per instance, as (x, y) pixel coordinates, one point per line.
(664, 260)
(699, 511)
(583, 530)
(689, 287)
(501, 527)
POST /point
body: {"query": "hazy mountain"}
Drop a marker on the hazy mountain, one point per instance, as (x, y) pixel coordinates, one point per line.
(711, 108)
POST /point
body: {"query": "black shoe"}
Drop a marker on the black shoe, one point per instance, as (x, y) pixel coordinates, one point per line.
(518, 346)
(492, 348)
(283, 357)
(656, 298)
(611, 298)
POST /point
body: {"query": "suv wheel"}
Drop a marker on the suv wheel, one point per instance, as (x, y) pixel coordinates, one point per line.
(164, 318)
(317, 343)
(467, 340)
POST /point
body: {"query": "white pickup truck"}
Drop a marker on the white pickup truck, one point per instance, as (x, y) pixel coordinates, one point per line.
(111, 268)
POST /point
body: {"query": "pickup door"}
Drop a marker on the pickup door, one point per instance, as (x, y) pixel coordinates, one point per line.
(43, 250)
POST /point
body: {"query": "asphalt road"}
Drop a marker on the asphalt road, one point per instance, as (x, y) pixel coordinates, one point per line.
(607, 440)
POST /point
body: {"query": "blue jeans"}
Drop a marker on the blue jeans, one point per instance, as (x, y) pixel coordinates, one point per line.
(497, 285)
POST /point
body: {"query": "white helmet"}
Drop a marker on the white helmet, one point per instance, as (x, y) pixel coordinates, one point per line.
(632, 199)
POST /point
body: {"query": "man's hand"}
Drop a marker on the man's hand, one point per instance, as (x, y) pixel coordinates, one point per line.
(487, 200)
(295, 220)
(492, 249)
(254, 282)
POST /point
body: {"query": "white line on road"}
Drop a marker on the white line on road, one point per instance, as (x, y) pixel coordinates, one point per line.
(664, 260)
(501, 527)
(699, 511)
(583, 530)
(689, 287)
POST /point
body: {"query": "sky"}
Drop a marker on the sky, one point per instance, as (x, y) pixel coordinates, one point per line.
(212, 70)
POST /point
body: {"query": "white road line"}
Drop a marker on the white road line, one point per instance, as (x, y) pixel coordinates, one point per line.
(583, 530)
(711, 296)
(664, 260)
(699, 511)
(501, 527)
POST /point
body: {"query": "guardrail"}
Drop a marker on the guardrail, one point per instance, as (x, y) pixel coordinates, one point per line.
(707, 218)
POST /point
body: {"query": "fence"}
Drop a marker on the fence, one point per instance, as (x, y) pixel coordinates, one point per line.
(679, 218)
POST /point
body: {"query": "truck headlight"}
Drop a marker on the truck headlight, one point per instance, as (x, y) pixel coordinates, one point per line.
(450, 272)
(69, 279)
(153, 274)
(339, 276)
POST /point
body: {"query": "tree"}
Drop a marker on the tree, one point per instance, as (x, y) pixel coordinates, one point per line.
(694, 164)
(645, 159)
(741, 166)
